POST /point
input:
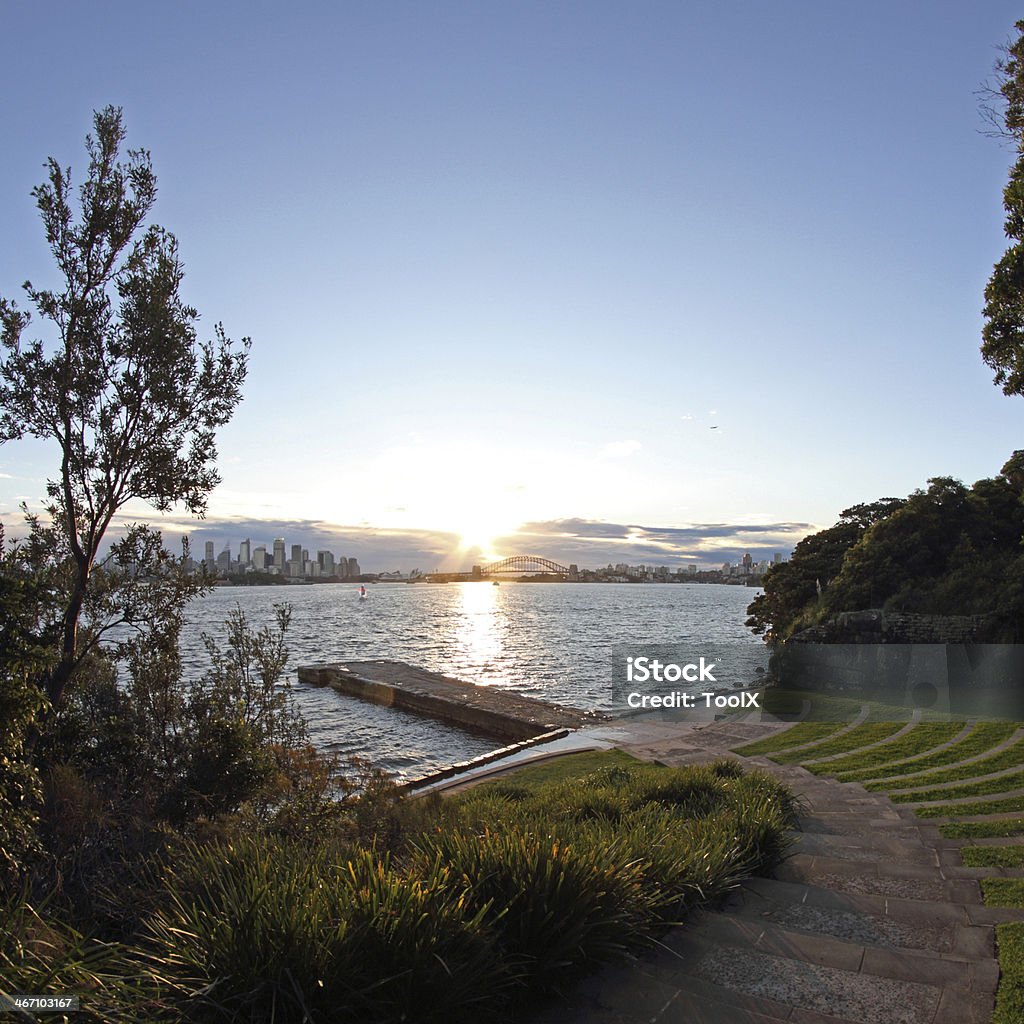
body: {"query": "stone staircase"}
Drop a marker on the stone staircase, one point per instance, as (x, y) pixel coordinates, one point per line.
(873, 919)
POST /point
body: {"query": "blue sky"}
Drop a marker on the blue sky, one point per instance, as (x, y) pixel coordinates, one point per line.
(509, 263)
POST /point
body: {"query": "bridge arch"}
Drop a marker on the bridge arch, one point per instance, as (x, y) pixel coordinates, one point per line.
(524, 563)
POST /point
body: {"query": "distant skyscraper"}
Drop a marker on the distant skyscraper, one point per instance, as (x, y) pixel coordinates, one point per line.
(259, 558)
(209, 558)
(326, 562)
(353, 568)
(243, 552)
(297, 553)
(279, 552)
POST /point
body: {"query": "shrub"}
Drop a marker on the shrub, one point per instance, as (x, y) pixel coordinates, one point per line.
(555, 905)
(266, 930)
(40, 954)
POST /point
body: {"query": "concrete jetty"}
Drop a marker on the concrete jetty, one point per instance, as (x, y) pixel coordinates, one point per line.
(485, 709)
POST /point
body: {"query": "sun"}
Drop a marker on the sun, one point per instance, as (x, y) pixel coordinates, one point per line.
(479, 529)
(481, 539)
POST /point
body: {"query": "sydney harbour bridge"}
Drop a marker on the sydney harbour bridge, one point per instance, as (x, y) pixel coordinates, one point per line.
(533, 564)
(518, 565)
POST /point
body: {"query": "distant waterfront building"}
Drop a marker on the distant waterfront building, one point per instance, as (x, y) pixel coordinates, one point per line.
(326, 562)
(259, 558)
(209, 558)
(353, 568)
(279, 553)
(244, 557)
(297, 553)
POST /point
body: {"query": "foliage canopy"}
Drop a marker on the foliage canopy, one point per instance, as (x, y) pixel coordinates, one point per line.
(945, 550)
(123, 385)
(1003, 334)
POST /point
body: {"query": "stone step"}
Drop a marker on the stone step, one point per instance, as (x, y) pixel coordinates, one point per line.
(886, 922)
(889, 824)
(703, 1002)
(907, 881)
(942, 970)
(871, 848)
(822, 993)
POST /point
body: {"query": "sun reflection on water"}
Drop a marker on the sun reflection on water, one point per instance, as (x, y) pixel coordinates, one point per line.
(480, 633)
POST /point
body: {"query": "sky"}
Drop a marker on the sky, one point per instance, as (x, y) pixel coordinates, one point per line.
(654, 282)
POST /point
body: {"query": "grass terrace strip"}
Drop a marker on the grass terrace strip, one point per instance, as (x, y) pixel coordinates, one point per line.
(1003, 784)
(798, 735)
(1011, 757)
(823, 706)
(1010, 803)
(993, 856)
(1010, 995)
(982, 737)
(924, 736)
(1003, 892)
(858, 736)
(1004, 829)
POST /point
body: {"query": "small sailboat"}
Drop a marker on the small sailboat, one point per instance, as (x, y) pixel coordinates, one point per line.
(362, 593)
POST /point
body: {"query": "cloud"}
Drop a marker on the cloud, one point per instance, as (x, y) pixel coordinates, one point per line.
(592, 542)
(621, 449)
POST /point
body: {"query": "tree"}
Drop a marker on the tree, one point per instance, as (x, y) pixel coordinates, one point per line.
(1003, 333)
(793, 589)
(123, 386)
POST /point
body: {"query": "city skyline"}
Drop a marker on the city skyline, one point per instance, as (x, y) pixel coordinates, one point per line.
(283, 557)
(296, 561)
(651, 285)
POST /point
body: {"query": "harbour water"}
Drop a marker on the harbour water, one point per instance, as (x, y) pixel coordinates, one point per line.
(547, 640)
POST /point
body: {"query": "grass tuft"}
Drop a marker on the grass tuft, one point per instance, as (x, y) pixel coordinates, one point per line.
(1010, 995)
(1003, 892)
(993, 856)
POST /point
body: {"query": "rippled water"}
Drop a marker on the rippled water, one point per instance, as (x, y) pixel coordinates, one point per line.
(547, 640)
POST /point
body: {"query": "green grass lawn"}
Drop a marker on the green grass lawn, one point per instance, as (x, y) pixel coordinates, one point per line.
(983, 829)
(921, 738)
(795, 736)
(1004, 784)
(1010, 803)
(1003, 892)
(858, 736)
(568, 766)
(1010, 997)
(993, 856)
(982, 737)
(824, 707)
(1011, 757)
